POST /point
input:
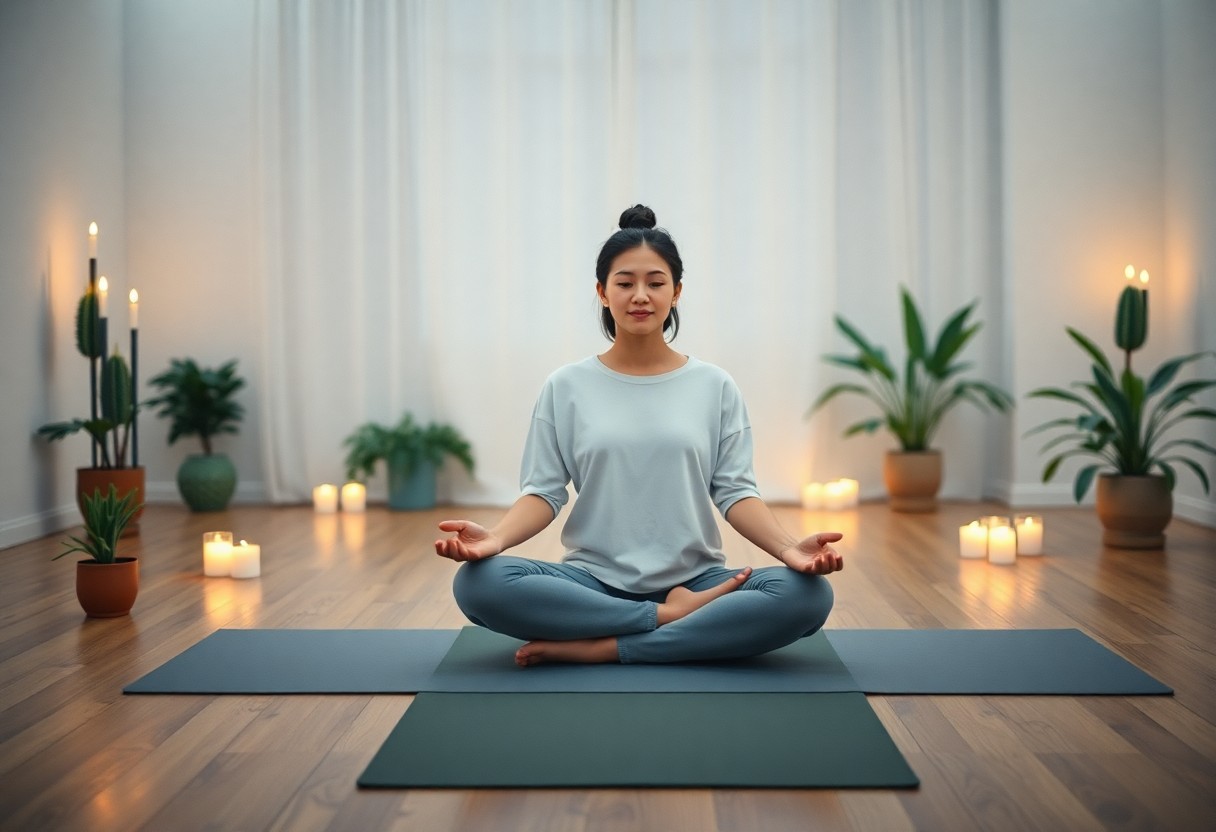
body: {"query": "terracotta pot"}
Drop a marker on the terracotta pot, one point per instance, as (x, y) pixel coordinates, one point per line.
(913, 479)
(107, 590)
(1134, 510)
(89, 480)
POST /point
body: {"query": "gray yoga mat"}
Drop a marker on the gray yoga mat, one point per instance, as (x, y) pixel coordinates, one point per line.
(590, 740)
(1064, 662)
(302, 661)
(484, 661)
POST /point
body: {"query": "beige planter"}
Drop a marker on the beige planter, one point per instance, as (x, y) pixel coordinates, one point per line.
(1134, 511)
(913, 479)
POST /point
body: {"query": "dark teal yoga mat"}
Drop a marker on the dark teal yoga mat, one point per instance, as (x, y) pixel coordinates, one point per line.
(302, 661)
(484, 661)
(685, 740)
(1063, 662)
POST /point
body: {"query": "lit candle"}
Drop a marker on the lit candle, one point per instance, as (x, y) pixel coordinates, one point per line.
(812, 496)
(354, 497)
(133, 308)
(1030, 535)
(92, 241)
(217, 554)
(325, 498)
(1144, 277)
(1002, 545)
(246, 560)
(834, 496)
(1130, 272)
(973, 540)
(850, 488)
(103, 292)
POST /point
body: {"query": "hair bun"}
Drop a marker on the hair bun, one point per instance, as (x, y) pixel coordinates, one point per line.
(639, 216)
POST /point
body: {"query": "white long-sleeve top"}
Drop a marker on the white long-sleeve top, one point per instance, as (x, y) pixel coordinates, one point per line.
(650, 456)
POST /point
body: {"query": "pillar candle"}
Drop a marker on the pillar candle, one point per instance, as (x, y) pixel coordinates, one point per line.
(850, 489)
(834, 498)
(1002, 545)
(973, 540)
(812, 496)
(246, 560)
(217, 554)
(325, 498)
(354, 497)
(1030, 535)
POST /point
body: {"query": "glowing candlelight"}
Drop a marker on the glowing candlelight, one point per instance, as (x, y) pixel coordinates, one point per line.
(1030, 535)
(103, 292)
(325, 498)
(973, 540)
(1002, 545)
(812, 496)
(217, 554)
(92, 241)
(246, 560)
(133, 308)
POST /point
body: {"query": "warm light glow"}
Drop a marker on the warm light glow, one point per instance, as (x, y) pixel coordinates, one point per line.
(103, 292)
(134, 296)
(1130, 272)
(103, 285)
(92, 229)
(1144, 277)
(133, 309)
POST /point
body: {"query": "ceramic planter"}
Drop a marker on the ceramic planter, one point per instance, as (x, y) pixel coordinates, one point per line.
(107, 590)
(410, 490)
(912, 479)
(206, 481)
(89, 480)
(1134, 511)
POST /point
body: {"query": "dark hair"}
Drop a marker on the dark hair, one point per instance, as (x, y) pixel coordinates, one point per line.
(637, 229)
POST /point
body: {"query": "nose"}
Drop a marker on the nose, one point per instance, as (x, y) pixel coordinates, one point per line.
(640, 295)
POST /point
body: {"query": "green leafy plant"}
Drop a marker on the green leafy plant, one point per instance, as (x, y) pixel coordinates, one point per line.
(1124, 419)
(105, 518)
(912, 405)
(198, 401)
(406, 443)
(113, 408)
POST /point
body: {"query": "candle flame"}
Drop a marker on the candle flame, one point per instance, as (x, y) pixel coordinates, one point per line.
(92, 229)
(134, 296)
(244, 543)
(1143, 277)
(103, 285)
(1130, 271)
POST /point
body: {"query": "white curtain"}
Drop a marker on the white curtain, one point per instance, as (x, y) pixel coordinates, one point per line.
(438, 179)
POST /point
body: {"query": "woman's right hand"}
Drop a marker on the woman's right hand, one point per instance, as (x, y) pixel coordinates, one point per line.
(470, 542)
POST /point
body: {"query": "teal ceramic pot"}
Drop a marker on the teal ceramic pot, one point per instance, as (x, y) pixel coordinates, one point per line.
(410, 490)
(206, 482)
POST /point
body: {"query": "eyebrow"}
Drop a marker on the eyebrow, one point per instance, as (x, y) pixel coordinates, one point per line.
(630, 272)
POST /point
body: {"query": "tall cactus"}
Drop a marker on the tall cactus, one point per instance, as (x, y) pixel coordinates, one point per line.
(1131, 319)
(116, 405)
(88, 342)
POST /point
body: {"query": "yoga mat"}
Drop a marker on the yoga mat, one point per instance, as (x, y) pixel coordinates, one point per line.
(484, 661)
(302, 661)
(588, 740)
(987, 662)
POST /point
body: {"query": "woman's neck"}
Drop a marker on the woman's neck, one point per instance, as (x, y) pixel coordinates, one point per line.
(642, 356)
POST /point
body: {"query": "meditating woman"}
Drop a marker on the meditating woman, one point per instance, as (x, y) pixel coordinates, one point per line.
(653, 440)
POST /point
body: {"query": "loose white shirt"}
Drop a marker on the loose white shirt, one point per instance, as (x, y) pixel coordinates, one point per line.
(650, 457)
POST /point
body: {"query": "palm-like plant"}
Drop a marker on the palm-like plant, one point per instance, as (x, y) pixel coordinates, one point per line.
(913, 406)
(1124, 420)
(105, 518)
(198, 401)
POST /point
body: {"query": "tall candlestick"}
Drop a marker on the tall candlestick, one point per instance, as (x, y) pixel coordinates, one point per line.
(92, 241)
(92, 358)
(103, 295)
(134, 307)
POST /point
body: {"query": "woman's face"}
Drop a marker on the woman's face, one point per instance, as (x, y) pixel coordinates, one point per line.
(639, 292)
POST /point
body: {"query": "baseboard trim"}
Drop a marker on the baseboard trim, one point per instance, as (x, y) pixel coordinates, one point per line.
(33, 526)
(165, 493)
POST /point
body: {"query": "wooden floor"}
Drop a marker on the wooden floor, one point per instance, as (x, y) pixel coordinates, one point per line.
(76, 754)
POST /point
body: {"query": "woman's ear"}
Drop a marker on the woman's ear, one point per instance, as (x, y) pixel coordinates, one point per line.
(599, 290)
(676, 295)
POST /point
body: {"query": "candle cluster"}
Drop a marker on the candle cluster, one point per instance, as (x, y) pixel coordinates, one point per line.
(354, 498)
(223, 559)
(994, 538)
(832, 496)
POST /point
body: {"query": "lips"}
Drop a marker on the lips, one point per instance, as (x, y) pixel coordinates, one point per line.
(640, 315)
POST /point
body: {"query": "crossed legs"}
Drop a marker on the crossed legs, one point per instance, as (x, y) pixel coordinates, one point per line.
(568, 615)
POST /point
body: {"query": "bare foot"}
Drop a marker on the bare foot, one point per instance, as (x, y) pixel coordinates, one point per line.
(584, 651)
(681, 601)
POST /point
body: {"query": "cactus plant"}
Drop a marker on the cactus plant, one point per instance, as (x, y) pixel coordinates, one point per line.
(116, 400)
(1131, 321)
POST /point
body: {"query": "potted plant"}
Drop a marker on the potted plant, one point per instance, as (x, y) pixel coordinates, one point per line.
(1124, 422)
(199, 402)
(412, 454)
(912, 405)
(112, 411)
(106, 585)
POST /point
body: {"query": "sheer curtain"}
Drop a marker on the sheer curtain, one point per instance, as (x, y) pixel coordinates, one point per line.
(438, 178)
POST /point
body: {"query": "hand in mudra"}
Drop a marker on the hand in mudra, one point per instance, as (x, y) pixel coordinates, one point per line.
(472, 542)
(814, 555)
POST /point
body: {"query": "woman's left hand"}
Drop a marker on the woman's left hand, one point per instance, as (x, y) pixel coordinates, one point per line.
(814, 555)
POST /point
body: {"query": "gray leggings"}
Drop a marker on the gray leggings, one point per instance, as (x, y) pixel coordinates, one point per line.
(530, 599)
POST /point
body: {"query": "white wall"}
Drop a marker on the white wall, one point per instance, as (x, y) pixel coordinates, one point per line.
(61, 167)
(1085, 188)
(188, 70)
